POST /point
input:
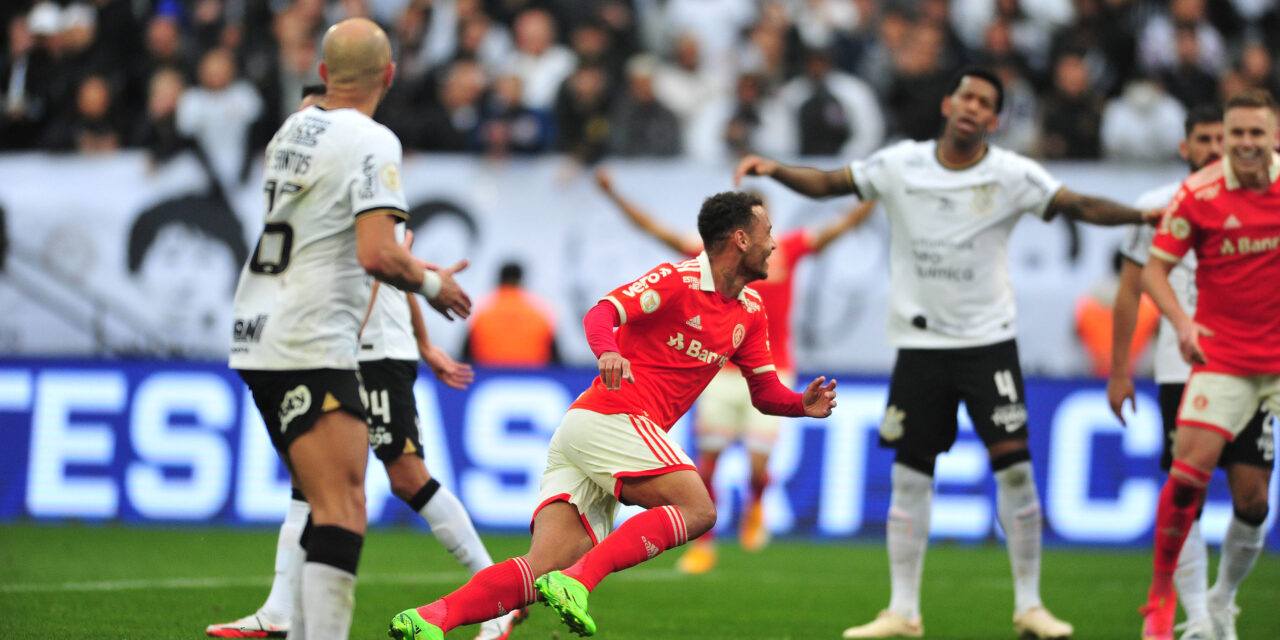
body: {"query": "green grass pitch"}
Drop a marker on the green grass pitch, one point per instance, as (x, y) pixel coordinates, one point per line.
(80, 581)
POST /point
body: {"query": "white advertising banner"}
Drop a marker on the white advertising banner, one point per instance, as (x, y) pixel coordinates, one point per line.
(110, 255)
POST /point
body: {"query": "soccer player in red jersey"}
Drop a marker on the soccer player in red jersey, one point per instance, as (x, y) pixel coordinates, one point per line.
(1229, 214)
(724, 414)
(612, 446)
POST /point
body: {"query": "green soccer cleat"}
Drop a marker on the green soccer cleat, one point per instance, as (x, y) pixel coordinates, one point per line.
(569, 598)
(408, 625)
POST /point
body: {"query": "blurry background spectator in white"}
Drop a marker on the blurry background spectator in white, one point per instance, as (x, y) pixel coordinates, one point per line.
(746, 122)
(1072, 112)
(836, 113)
(1157, 43)
(641, 125)
(541, 63)
(1019, 127)
(1141, 124)
(1032, 24)
(822, 24)
(218, 114)
(718, 25)
(23, 110)
(681, 84)
(1186, 80)
(765, 51)
(878, 55)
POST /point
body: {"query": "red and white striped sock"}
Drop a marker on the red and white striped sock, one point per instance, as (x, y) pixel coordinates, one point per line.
(491, 592)
(641, 538)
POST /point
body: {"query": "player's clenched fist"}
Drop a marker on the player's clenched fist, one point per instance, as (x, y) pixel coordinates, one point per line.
(819, 399)
(753, 166)
(614, 369)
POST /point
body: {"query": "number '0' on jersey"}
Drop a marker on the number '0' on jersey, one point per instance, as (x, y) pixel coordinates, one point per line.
(302, 294)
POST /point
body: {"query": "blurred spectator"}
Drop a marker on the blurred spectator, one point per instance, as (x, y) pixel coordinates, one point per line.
(592, 46)
(1032, 24)
(452, 30)
(765, 53)
(1187, 80)
(1256, 68)
(919, 84)
(746, 122)
(449, 122)
(1142, 124)
(717, 25)
(582, 114)
(541, 64)
(157, 128)
(1019, 124)
(837, 113)
(876, 64)
(293, 67)
(507, 126)
(825, 24)
(512, 327)
(165, 47)
(1103, 35)
(218, 113)
(681, 84)
(1072, 116)
(94, 125)
(25, 110)
(641, 125)
(1157, 42)
(117, 45)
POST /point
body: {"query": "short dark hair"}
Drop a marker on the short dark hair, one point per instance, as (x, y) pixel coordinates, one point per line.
(511, 274)
(313, 90)
(1252, 97)
(724, 213)
(1203, 113)
(982, 73)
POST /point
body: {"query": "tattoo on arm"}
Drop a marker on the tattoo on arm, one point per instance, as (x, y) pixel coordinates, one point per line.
(1092, 209)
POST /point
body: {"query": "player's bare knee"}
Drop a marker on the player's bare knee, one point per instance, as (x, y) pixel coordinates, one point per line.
(699, 517)
(1252, 509)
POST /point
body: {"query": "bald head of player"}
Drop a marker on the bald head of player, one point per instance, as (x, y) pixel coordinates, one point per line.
(737, 234)
(357, 69)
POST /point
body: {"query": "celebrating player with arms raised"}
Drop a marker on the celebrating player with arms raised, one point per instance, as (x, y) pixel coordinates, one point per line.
(680, 323)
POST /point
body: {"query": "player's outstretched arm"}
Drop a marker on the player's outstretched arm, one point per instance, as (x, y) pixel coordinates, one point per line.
(819, 397)
(808, 181)
(1099, 211)
(453, 374)
(1124, 319)
(1155, 280)
(851, 219)
(391, 262)
(641, 218)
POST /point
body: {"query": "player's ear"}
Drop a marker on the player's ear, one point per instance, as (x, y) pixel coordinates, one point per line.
(1183, 151)
(390, 75)
(324, 73)
(995, 124)
(946, 106)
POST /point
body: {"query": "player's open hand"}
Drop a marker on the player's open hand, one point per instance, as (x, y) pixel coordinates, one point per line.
(1119, 389)
(1189, 342)
(447, 370)
(604, 180)
(753, 166)
(614, 369)
(819, 399)
(451, 300)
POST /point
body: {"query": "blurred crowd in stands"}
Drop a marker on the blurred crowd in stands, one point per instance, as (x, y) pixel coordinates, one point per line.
(701, 79)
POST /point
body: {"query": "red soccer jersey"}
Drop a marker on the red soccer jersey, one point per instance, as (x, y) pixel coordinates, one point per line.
(1235, 233)
(678, 332)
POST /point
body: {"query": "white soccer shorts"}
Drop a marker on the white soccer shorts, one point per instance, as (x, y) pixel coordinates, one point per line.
(591, 453)
(1225, 403)
(724, 415)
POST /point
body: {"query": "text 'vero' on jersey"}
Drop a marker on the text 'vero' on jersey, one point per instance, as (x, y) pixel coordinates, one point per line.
(949, 236)
(678, 332)
(302, 294)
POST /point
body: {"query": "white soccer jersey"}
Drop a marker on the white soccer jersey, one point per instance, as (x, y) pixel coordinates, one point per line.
(388, 333)
(1170, 367)
(949, 236)
(302, 294)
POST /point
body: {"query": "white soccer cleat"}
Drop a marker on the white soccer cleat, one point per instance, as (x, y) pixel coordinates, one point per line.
(498, 628)
(1223, 616)
(887, 624)
(254, 626)
(1196, 630)
(1037, 623)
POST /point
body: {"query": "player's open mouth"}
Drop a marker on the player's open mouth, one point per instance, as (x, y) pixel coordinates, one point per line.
(966, 125)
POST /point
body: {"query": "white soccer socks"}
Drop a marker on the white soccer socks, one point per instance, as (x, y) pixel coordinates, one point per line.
(1241, 547)
(279, 604)
(451, 525)
(908, 536)
(1192, 575)
(1018, 508)
(329, 582)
